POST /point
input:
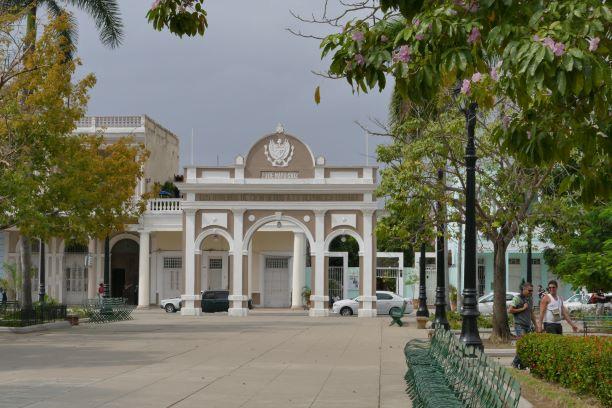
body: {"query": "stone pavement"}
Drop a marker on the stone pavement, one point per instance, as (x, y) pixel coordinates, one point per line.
(167, 360)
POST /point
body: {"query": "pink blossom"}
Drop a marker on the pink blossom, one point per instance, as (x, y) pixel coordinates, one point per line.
(536, 37)
(470, 5)
(383, 38)
(474, 35)
(416, 21)
(549, 42)
(155, 4)
(419, 37)
(476, 77)
(528, 135)
(559, 49)
(358, 36)
(494, 74)
(505, 122)
(402, 54)
(466, 87)
(359, 59)
(593, 44)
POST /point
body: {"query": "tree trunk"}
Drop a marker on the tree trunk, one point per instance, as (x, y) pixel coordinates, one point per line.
(26, 272)
(501, 330)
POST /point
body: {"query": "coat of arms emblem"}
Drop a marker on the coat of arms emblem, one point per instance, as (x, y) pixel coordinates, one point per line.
(279, 152)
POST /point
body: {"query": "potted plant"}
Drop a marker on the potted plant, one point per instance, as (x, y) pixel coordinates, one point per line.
(306, 292)
(452, 294)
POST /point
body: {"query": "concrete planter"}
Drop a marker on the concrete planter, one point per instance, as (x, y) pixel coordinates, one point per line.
(422, 322)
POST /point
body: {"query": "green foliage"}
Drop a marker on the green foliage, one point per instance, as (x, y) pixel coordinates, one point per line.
(452, 293)
(582, 255)
(181, 17)
(539, 58)
(455, 320)
(583, 364)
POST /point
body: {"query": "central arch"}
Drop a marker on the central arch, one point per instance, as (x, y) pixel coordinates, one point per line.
(272, 218)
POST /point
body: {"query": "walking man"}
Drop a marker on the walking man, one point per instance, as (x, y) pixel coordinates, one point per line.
(522, 309)
(101, 291)
(552, 311)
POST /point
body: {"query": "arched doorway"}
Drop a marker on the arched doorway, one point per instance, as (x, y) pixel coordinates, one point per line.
(214, 271)
(124, 270)
(343, 268)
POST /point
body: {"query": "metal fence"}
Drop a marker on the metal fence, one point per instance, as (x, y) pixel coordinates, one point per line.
(13, 316)
(335, 283)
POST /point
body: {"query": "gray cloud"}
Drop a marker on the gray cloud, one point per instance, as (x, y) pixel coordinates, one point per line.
(232, 86)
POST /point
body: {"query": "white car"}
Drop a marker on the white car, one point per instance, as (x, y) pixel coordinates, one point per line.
(485, 303)
(171, 305)
(580, 303)
(385, 302)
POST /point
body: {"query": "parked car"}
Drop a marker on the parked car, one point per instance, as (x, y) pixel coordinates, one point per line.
(217, 301)
(581, 303)
(485, 303)
(171, 305)
(385, 302)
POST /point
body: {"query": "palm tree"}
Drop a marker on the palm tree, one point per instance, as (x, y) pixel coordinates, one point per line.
(105, 14)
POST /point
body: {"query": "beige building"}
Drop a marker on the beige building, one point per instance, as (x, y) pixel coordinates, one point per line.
(260, 229)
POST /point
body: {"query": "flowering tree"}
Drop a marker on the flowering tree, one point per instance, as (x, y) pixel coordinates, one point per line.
(545, 62)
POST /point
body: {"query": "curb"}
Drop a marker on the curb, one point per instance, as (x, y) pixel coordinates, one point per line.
(500, 352)
(35, 328)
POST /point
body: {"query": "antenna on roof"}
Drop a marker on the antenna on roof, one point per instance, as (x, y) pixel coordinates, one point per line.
(192, 146)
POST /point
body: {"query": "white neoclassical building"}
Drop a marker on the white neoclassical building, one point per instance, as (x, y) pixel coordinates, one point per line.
(261, 229)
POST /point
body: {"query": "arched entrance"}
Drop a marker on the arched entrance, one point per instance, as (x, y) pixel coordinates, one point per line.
(343, 268)
(277, 254)
(124, 270)
(214, 262)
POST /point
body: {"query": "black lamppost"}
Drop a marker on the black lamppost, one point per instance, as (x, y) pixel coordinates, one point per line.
(440, 320)
(106, 267)
(529, 256)
(422, 311)
(41, 273)
(469, 310)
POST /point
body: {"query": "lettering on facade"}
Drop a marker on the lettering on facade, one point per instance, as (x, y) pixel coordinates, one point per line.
(279, 175)
(278, 197)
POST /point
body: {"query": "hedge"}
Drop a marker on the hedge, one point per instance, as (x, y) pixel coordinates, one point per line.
(583, 364)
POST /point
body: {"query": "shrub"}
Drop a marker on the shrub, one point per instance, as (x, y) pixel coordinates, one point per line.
(484, 321)
(583, 364)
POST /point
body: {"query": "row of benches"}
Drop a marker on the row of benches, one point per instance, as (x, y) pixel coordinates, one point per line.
(444, 373)
(108, 310)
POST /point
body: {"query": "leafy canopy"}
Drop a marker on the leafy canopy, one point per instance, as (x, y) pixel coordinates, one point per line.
(548, 60)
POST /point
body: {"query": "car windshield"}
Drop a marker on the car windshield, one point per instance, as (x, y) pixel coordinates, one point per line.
(576, 298)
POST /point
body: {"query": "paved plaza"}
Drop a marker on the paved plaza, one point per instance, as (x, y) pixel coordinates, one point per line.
(166, 360)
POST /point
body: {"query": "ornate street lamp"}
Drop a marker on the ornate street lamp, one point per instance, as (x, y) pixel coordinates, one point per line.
(440, 320)
(422, 311)
(469, 309)
(41, 273)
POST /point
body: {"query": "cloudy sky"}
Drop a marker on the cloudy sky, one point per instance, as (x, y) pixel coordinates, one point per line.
(233, 85)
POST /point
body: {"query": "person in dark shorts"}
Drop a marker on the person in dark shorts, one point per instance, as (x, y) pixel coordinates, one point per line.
(552, 311)
(522, 309)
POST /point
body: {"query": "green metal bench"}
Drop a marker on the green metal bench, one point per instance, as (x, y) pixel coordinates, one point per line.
(597, 324)
(108, 310)
(444, 373)
(396, 316)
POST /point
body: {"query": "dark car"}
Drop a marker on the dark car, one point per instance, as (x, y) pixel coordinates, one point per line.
(216, 301)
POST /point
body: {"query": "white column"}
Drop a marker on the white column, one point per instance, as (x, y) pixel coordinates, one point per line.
(299, 263)
(144, 273)
(92, 287)
(237, 297)
(189, 298)
(368, 294)
(319, 297)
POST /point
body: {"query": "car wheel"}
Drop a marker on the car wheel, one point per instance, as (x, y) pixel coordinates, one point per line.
(170, 308)
(346, 311)
(394, 310)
